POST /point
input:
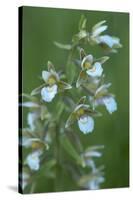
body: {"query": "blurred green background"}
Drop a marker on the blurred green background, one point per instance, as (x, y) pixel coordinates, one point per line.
(43, 26)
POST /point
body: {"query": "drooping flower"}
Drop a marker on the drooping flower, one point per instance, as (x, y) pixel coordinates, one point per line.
(93, 180)
(110, 43)
(90, 66)
(103, 97)
(110, 104)
(83, 114)
(33, 160)
(94, 184)
(90, 153)
(86, 124)
(52, 84)
(31, 119)
(48, 93)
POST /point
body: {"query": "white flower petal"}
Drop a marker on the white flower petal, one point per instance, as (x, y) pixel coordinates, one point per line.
(96, 71)
(99, 30)
(48, 93)
(88, 58)
(46, 75)
(86, 124)
(33, 160)
(110, 104)
(26, 142)
(108, 40)
(31, 118)
(91, 163)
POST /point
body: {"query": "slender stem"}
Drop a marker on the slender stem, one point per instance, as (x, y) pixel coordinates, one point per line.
(32, 187)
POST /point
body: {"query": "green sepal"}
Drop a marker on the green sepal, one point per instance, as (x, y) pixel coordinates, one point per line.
(38, 89)
(82, 78)
(82, 54)
(71, 119)
(98, 25)
(102, 90)
(82, 100)
(92, 113)
(82, 22)
(63, 46)
(50, 66)
(102, 59)
(63, 86)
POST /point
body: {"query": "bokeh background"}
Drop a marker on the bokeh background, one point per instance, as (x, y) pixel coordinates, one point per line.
(43, 26)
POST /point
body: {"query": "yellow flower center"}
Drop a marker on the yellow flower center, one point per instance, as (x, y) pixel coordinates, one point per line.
(87, 65)
(80, 112)
(51, 80)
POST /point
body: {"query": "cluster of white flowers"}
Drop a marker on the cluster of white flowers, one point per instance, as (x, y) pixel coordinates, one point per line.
(90, 80)
(109, 41)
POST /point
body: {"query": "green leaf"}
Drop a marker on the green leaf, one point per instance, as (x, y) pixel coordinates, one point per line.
(47, 168)
(68, 147)
(44, 113)
(63, 46)
(38, 89)
(72, 118)
(71, 72)
(59, 109)
(82, 22)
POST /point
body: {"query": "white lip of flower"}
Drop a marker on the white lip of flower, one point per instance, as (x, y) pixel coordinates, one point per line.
(31, 118)
(86, 124)
(96, 71)
(33, 160)
(108, 40)
(48, 93)
(110, 104)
